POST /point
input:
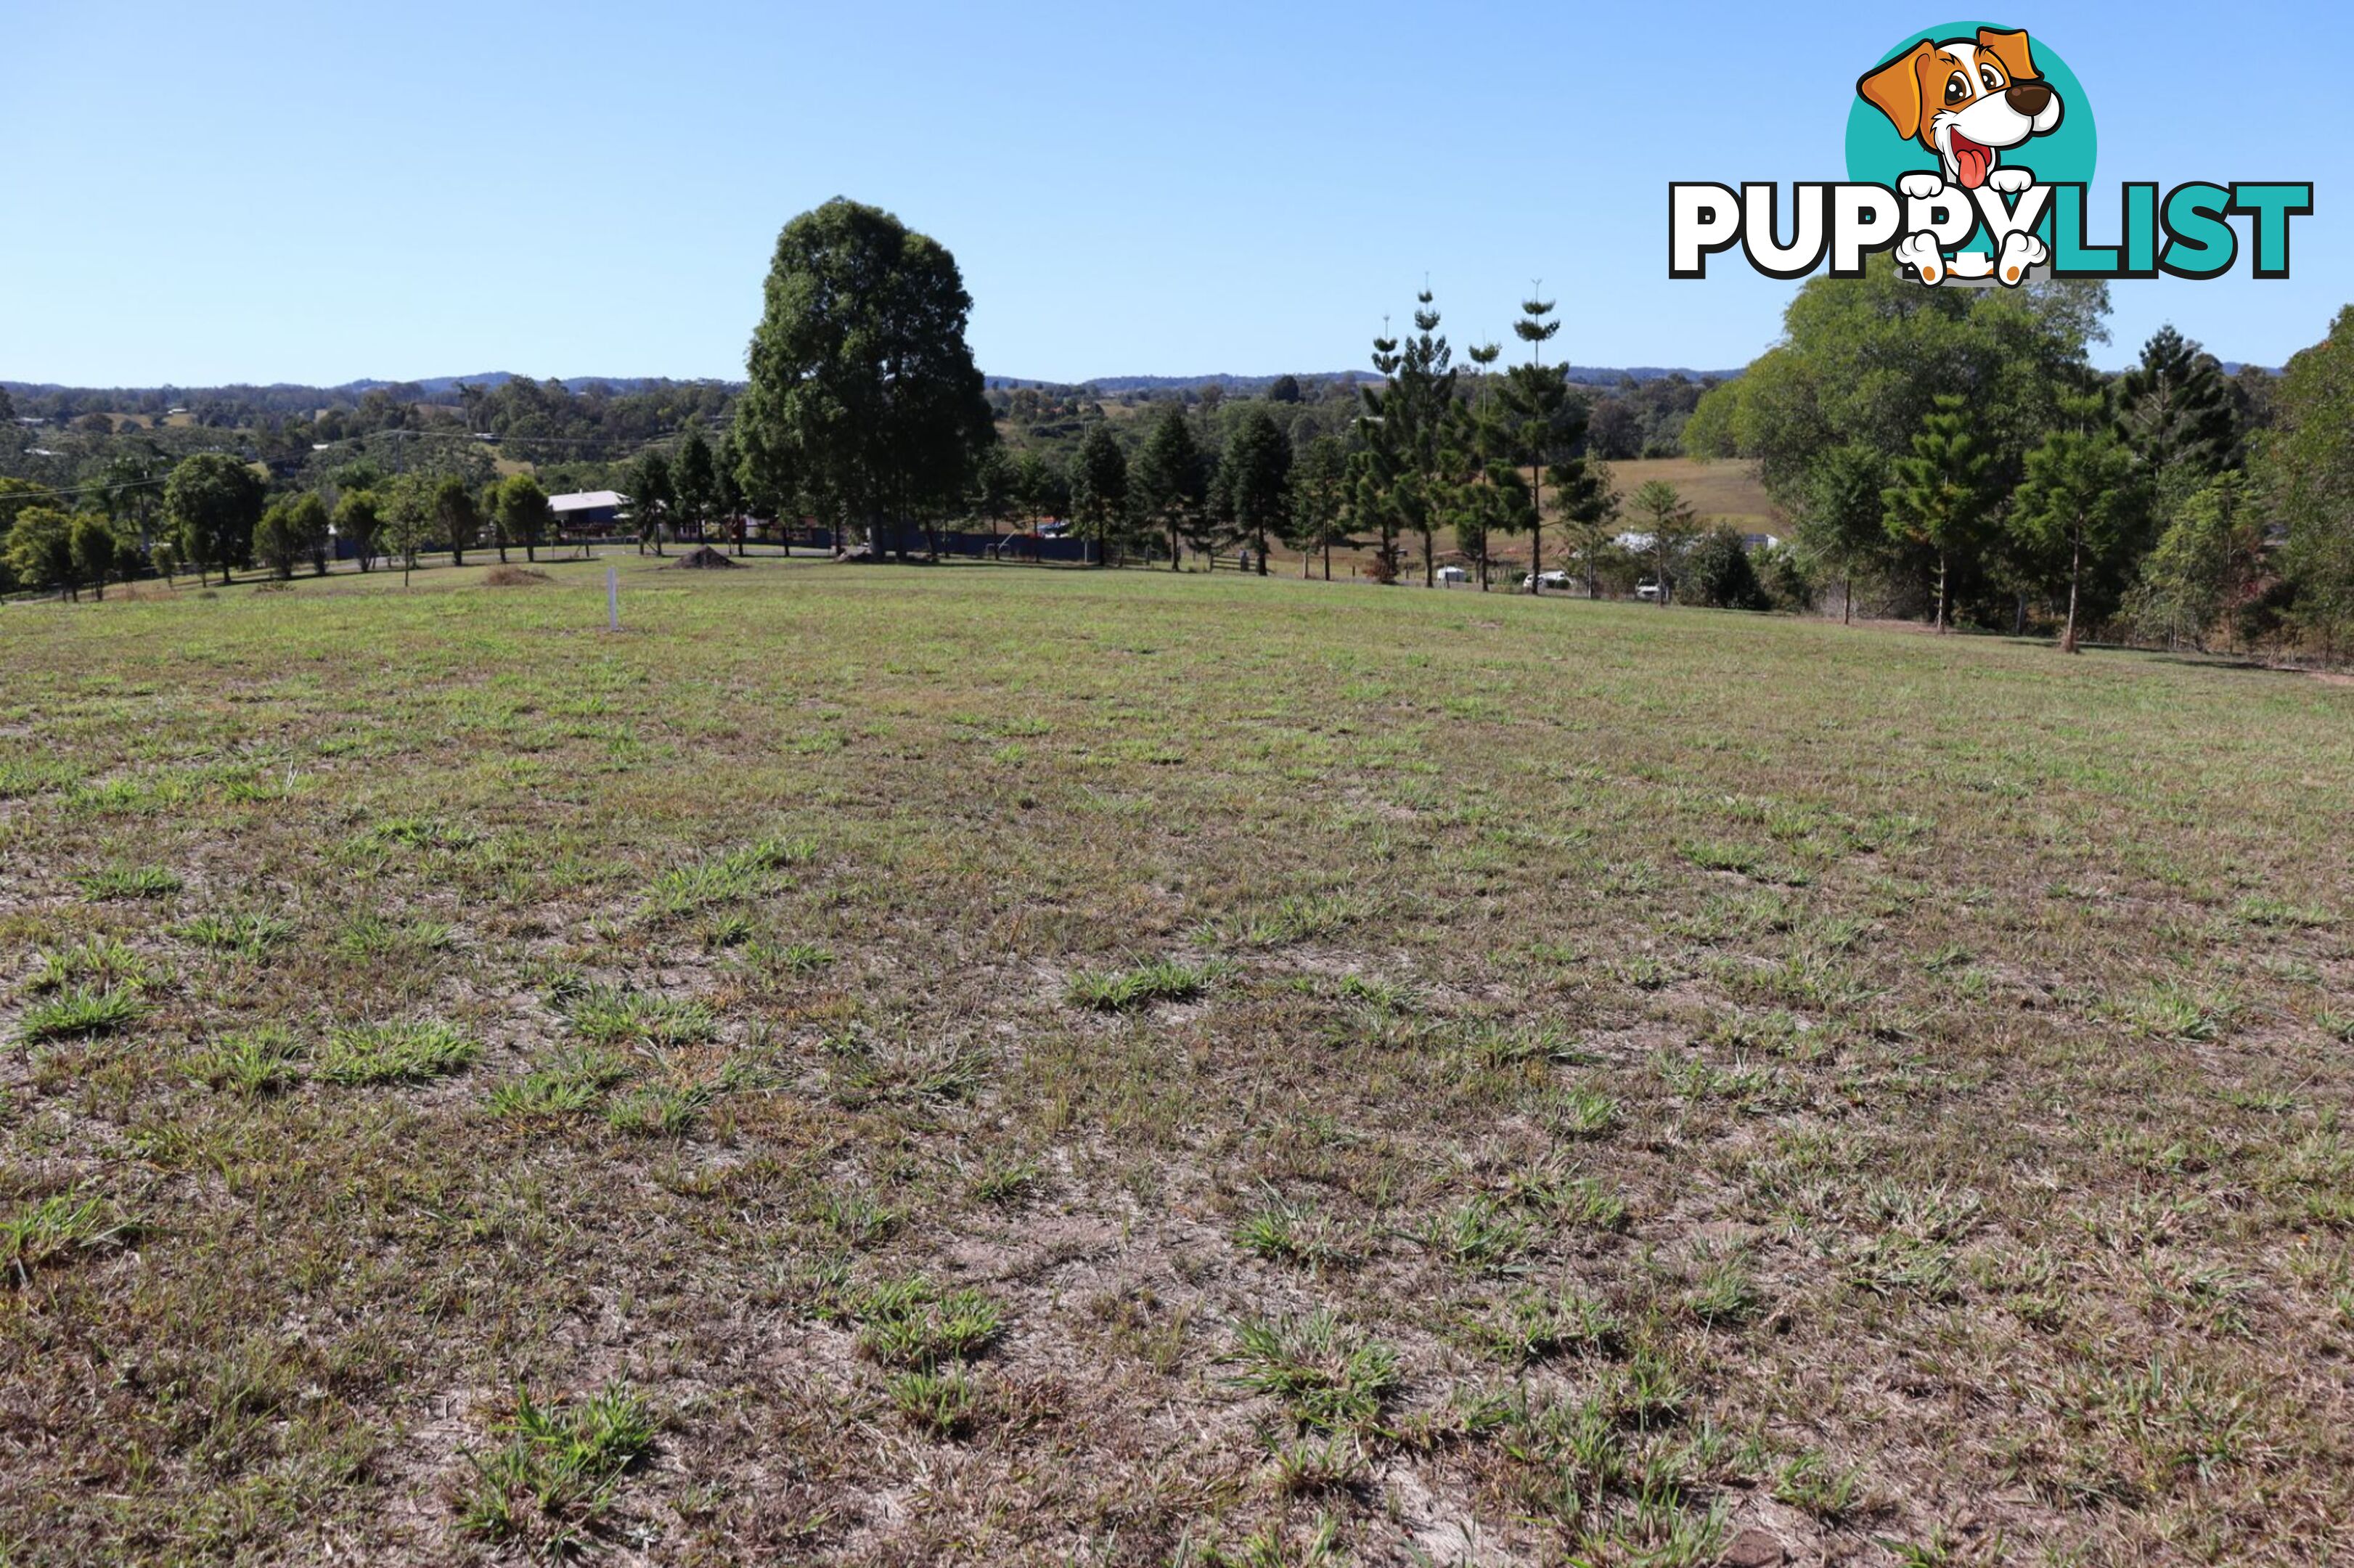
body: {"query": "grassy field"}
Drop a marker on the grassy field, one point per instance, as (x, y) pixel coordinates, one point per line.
(1719, 492)
(904, 1066)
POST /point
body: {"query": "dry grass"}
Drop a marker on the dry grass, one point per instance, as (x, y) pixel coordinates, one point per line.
(993, 1066)
(1727, 491)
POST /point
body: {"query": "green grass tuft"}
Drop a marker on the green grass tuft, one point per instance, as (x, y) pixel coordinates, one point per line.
(252, 1065)
(612, 1015)
(53, 1229)
(1125, 991)
(553, 1482)
(409, 1052)
(113, 882)
(79, 1013)
(1326, 1376)
(247, 936)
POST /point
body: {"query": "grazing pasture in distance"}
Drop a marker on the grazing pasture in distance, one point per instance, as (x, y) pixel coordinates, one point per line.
(1723, 491)
(903, 1065)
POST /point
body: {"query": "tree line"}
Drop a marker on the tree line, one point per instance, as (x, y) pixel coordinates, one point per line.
(216, 514)
(1953, 455)
(863, 410)
(1946, 454)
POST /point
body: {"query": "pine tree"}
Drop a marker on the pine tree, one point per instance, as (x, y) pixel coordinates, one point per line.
(997, 487)
(1669, 520)
(2080, 503)
(1485, 507)
(1939, 499)
(1171, 480)
(1099, 492)
(1841, 520)
(1254, 478)
(696, 479)
(1414, 417)
(1373, 470)
(2175, 407)
(728, 483)
(652, 494)
(1589, 508)
(1042, 487)
(1320, 491)
(1533, 328)
(1543, 424)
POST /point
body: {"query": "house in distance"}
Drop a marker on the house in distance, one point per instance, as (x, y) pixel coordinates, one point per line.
(588, 511)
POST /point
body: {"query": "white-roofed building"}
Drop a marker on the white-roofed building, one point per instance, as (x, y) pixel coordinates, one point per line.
(588, 511)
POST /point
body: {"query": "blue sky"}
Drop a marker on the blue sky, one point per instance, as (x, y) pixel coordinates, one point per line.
(199, 194)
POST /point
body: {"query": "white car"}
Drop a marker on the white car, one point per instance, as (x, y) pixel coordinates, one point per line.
(1449, 575)
(1647, 590)
(1556, 579)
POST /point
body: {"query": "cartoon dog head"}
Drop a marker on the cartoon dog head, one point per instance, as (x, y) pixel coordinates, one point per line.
(1965, 100)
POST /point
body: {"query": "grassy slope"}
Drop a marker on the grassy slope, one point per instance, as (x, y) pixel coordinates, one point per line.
(1726, 491)
(1953, 1023)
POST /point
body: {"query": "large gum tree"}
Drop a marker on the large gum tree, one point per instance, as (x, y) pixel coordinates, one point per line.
(864, 401)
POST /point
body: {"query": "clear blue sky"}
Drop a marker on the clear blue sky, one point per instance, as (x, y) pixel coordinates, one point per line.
(317, 192)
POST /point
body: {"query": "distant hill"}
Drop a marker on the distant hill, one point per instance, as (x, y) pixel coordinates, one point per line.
(439, 386)
(444, 389)
(432, 388)
(1586, 374)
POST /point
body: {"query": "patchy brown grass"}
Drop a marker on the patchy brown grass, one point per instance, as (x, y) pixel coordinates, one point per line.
(1012, 1067)
(1718, 491)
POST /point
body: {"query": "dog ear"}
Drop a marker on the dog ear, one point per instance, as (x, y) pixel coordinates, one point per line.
(1895, 89)
(2011, 47)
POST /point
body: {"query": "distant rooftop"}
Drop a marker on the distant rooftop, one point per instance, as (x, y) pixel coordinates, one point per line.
(589, 501)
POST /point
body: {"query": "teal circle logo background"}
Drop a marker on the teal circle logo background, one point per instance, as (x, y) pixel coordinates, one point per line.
(1877, 153)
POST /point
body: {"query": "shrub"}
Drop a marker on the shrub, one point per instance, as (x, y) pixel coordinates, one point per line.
(1718, 573)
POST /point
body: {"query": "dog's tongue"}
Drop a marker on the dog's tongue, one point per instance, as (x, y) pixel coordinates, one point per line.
(1972, 160)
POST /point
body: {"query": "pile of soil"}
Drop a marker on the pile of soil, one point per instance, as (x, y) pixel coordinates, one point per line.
(514, 577)
(703, 557)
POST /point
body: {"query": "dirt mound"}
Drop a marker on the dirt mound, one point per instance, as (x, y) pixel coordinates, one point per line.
(702, 558)
(514, 577)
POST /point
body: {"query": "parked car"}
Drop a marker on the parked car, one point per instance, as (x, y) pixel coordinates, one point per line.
(1449, 575)
(1647, 590)
(1555, 579)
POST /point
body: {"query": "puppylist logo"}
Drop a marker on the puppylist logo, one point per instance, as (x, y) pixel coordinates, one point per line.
(1969, 152)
